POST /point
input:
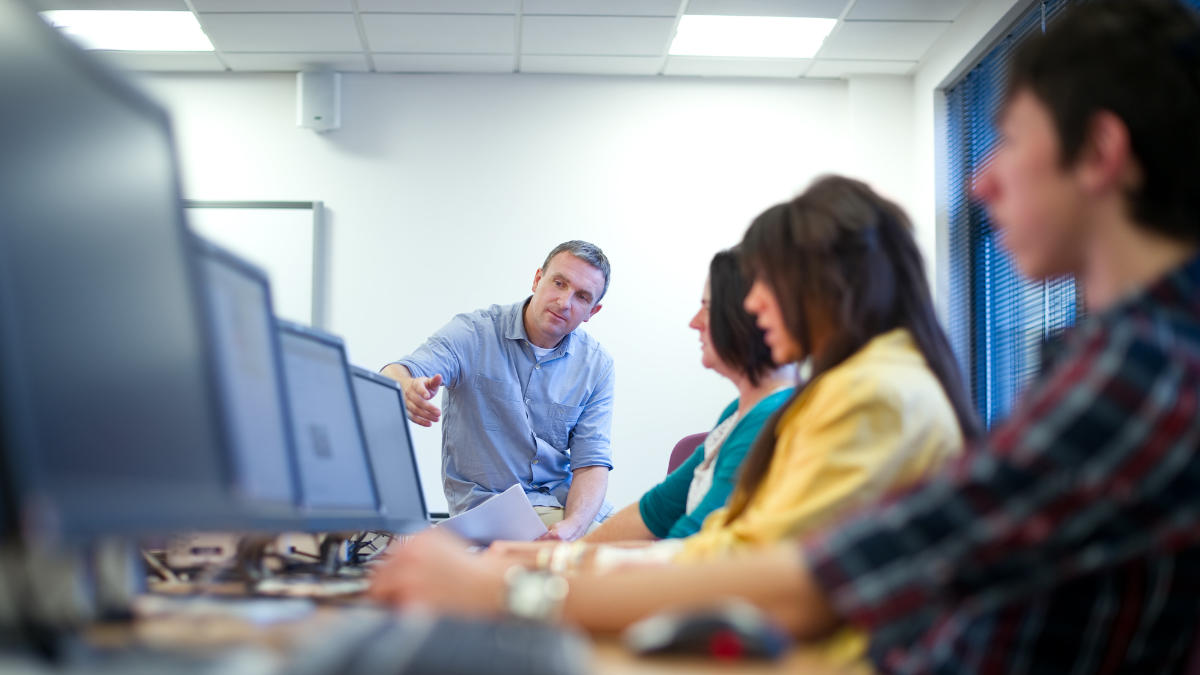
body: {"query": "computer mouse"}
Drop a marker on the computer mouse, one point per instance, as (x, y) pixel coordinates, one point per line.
(729, 631)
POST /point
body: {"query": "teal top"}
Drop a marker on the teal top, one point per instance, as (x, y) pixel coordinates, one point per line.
(664, 507)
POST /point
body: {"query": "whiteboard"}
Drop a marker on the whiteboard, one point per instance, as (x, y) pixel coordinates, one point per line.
(285, 242)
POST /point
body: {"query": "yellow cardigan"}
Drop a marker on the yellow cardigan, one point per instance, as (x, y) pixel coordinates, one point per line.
(878, 421)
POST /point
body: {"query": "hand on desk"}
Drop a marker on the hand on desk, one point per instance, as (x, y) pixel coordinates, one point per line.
(523, 553)
(434, 569)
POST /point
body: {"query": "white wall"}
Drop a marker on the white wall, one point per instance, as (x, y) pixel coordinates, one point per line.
(881, 139)
(445, 192)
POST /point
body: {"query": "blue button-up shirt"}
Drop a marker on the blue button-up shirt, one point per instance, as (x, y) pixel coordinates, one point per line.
(508, 418)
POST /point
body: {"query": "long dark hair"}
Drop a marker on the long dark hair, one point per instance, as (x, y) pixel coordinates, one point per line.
(736, 339)
(841, 247)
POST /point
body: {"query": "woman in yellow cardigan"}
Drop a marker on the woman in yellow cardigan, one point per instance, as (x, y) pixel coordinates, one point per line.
(838, 280)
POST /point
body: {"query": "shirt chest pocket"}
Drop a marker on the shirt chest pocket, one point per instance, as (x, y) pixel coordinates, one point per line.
(501, 403)
(560, 422)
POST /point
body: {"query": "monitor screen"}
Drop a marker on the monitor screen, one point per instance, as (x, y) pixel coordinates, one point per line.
(385, 423)
(108, 403)
(330, 451)
(251, 377)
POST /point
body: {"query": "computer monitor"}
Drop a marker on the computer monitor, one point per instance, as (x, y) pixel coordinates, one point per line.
(336, 484)
(109, 406)
(250, 368)
(385, 423)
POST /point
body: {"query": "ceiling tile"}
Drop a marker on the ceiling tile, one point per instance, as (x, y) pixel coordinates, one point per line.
(440, 6)
(592, 65)
(722, 67)
(443, 63)
(883, 40)
(595, 35)
(836, 68)
(440, 33)
(908, 10)
(272, 5)
(282, 32)
(820, 9)
(603, 7)
(260, 62)
(136, 5)
(162, 61)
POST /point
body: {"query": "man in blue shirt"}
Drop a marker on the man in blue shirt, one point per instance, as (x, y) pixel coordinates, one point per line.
(528, 397)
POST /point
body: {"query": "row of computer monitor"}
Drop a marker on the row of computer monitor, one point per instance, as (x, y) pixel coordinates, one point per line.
(144, 384)
(317, 444)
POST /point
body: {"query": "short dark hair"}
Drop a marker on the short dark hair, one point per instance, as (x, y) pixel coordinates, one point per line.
(735, 336)
(1140, 60)
(588, 253)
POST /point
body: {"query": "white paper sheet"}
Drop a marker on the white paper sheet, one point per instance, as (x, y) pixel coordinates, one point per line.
(507, 516)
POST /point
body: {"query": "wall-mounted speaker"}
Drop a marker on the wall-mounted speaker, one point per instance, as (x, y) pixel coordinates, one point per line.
(319, 100)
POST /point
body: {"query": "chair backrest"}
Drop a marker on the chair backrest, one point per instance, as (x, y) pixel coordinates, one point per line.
(684, 449)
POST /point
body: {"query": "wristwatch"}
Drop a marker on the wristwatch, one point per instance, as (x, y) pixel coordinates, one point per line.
(537, 596)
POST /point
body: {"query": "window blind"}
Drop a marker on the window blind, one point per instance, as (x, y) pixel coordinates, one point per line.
(998, 321)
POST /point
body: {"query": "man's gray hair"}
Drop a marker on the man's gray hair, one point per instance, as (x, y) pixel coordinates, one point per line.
(588, 253)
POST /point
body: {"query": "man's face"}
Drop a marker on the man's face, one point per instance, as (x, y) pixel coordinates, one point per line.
(1037, 205)
(564, 296)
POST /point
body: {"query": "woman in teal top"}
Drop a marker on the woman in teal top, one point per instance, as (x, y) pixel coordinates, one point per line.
(733, 346)
(664, 508)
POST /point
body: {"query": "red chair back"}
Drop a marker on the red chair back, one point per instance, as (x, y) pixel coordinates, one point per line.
(684, 449)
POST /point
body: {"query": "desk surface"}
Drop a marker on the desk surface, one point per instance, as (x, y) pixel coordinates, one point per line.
(202, 633)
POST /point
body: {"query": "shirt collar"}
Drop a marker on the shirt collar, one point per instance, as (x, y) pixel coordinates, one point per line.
(1177, 290)
(516, 329)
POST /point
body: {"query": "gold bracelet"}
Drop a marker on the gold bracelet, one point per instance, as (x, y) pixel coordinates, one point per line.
(575, 557)
(560, 558)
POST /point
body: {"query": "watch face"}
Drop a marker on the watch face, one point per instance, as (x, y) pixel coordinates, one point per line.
(536, 596)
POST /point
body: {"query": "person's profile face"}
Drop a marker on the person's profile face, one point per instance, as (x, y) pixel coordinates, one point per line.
(700, 322)
(565, 295)
(1033, 200)
(762, 302)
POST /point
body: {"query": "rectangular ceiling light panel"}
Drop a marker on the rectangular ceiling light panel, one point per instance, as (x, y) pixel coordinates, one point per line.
(131, 30)
(779, 37)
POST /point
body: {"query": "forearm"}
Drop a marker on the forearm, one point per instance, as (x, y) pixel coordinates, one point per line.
(398, 373)
(625, 525)
(588, 486)
(775, 581)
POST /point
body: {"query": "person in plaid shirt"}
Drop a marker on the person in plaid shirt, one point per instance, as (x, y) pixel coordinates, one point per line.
(1069, 542)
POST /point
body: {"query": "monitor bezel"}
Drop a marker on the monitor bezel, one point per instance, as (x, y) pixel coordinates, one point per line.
(263, 516)
(399, 525)
(31, 505)
(326, 519)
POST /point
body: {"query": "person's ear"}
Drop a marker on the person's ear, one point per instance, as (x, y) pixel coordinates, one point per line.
(592, 313)
(1107, 162)
(537, 276)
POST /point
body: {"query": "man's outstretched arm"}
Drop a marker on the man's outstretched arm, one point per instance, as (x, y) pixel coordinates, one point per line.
(418, 393)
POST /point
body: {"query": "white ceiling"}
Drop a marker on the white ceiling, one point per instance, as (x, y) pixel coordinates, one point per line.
(600, 37)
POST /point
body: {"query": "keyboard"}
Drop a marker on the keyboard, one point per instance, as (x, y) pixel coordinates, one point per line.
(379, 643)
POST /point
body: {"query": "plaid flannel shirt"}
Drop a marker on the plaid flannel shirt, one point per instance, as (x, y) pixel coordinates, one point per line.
(1070, 541)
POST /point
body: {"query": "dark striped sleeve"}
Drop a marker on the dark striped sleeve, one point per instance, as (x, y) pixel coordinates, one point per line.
(1097, 467)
